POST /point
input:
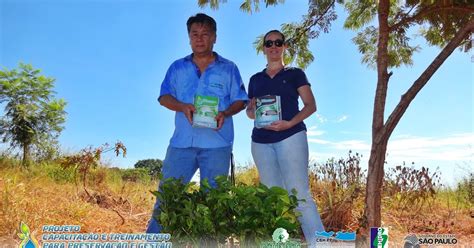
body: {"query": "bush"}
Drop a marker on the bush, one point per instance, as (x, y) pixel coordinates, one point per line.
(410, 188)
(462, 196)
(7, 160)
(465, 190)
(136, 175)
(209, 216)
(59, 174)
(339, 187)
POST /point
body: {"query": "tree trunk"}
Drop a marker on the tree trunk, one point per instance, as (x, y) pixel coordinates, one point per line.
(26, 155)
(374, 184)
(375, 174)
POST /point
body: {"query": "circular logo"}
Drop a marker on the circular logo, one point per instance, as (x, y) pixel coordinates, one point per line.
(280, 235)
(411, 241)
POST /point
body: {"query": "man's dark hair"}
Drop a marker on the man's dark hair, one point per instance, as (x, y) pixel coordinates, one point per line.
(274, 31)
(203, 19)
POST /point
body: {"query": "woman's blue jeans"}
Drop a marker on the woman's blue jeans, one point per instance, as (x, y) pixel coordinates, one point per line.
(285, 164)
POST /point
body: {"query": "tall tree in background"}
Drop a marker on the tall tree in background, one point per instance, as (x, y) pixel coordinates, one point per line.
(32, 118)
(153, 166)
(447, 24)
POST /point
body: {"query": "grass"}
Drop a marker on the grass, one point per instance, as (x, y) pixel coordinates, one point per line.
(46, 194)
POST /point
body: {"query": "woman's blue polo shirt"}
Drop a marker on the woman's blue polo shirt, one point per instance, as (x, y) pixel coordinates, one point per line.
(284, 84)
(183, 81)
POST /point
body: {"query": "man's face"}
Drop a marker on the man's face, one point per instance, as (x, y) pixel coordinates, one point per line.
(201, 38)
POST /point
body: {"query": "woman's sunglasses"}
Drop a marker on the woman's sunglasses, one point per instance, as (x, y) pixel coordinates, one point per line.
(269, 43)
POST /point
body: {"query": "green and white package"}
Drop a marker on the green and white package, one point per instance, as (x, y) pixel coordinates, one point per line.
(267, 110)
(206, 111)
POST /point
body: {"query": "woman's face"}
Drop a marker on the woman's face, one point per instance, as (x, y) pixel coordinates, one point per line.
(273, 47)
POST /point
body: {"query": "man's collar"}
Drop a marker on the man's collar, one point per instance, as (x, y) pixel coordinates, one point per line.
(217, 57)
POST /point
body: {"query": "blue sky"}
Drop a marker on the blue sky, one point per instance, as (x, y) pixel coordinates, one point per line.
(109, 58)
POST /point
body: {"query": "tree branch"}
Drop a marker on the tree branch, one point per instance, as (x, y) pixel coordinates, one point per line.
(309, 23)
(320, 16)
(426, 11)
(408, 97)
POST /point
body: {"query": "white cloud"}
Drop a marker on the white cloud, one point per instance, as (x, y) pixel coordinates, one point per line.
(312, 127)
(341, 119)
(318, 141)
(355, 145)
(456, 147)
(321, 118)
(312, 132)
(345, 145)
(315, 133)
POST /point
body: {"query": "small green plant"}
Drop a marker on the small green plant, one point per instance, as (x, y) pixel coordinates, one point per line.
(208, 216)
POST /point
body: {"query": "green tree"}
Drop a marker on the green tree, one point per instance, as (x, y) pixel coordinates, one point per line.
(446, 24)
(152, 165)
(32, 118)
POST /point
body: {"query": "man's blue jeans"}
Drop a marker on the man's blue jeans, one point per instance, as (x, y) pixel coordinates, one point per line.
(183, 163)
(285, 164)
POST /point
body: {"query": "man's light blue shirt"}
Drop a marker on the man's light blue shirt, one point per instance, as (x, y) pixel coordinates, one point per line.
(183, 81)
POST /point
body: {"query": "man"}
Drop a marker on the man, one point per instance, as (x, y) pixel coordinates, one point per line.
(204, 73)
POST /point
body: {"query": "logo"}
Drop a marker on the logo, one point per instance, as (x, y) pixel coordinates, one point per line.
(378, 237)
(411, 241)
(27, 239)
(217, 85)
(281, 239)
(417, 240)
(340, 236)
(339, 239)
(280, 235)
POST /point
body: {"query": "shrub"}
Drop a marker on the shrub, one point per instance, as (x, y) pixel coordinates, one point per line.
(59, 174)
(209, 216)
(136, 175)
(89, 159)
(465, 190)
(461, 197)
(410, 188)
(339, 186)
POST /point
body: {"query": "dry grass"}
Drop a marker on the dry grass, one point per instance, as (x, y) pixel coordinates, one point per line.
(115, 206)
(248, 175)
(34, 198)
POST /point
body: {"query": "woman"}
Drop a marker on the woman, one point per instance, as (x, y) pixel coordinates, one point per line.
(280, 150)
